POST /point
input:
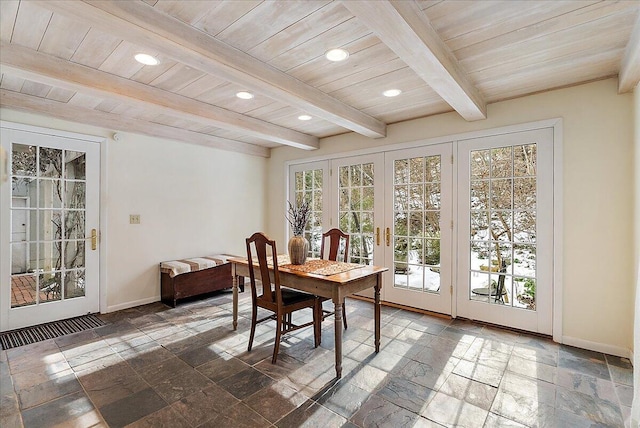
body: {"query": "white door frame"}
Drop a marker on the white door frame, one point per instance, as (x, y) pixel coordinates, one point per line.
(102, 275)
(557, 125)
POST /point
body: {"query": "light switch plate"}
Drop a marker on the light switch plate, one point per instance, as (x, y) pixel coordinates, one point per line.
(134, 218)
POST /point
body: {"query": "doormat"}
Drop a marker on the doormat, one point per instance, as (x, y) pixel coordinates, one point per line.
(38, 333)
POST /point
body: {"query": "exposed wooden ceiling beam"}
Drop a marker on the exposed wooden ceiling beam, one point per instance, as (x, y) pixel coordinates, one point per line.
(406, 30)
(139, 23)
(629, 75)
(57, 109)
(43, 68)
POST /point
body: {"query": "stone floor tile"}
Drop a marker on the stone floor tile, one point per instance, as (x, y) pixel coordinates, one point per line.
(616, 361)
(368, 378)
(586, 384)
(589, 407)
(197, 355)
(378, 412)
(621, 375)
(48, 390)
(458, 335)
(567, 351)
(275, 401)
(591, 366)
(532, 369)
(426, 375)
(479, 372)
(163, 418)
(471, 391)
(539, 390)
(163, 370)
(245, 383)
(343, 398)
(12, 420)
(497, 421)
(537, 355)
(73, 410)
(238, 416)
(625, 394)
(132, 408)
(182, 385)
(406, 394)
(525, 410)
(450, 347)
(202, 406)
(222, 368)
(451, 412)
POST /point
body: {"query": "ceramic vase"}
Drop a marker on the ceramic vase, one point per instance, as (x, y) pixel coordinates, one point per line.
(298, 249)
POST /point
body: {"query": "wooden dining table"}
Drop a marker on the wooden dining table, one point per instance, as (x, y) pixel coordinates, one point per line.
(333, 286)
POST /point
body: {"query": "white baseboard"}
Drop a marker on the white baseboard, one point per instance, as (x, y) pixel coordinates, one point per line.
(128, 305)
(598, 347)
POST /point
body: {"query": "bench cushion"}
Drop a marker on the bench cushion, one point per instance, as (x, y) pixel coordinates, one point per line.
(177, 267)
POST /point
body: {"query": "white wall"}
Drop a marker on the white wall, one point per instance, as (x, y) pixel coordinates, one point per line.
(192, 201)
(598, 273)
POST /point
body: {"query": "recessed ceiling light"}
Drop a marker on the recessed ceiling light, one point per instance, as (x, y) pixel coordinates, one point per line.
(336, 55)
(146, 59)
(304, 117)
(244, 95)
(392, 92)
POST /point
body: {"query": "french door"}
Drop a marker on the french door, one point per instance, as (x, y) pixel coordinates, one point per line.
(482, 249)
(397, 207)
(505, 230)
(418, 214)
(49, 220)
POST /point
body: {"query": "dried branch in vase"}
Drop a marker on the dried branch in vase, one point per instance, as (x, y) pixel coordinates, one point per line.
(298, 216)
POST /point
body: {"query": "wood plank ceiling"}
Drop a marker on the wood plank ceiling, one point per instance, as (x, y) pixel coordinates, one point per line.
(75, 60)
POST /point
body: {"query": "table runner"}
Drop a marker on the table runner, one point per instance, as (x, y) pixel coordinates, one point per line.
(322, 267)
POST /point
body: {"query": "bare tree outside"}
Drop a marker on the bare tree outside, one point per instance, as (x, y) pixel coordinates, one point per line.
(51, 181)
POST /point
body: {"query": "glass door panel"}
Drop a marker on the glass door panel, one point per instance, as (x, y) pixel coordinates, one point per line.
(307, 183)
(49, 210)
(418, 204)
(358, 184)
(505, 203)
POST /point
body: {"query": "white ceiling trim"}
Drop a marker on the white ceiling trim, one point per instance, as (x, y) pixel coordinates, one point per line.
(43, 68)
(57, 109)
(629, 75)
(406, 30)
(139, 23)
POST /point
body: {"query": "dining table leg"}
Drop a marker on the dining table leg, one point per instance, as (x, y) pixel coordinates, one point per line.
(337, 306)
(235, 296)
(376, 310)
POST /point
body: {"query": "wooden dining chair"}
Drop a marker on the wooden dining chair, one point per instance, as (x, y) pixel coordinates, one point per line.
(335, 237)
(279, 300)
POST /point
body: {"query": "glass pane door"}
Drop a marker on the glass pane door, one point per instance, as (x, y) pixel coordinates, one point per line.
(418, 205)
(49, 222)
(307, 183)
(358, 181)
(506, 183)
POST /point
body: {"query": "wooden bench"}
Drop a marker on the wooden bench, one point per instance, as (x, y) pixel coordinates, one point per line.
(180, 279)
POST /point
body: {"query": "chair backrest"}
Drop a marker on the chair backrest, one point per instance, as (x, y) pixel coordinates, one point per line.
(335, 236)
(270, 292)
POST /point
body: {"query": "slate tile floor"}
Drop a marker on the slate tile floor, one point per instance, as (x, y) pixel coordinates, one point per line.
(154, 366)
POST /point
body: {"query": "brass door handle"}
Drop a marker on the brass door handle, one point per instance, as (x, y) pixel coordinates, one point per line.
(94, 239)
(377, 236)
(388, 236)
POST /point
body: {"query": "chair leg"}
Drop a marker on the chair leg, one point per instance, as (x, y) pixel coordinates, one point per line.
(276, 346)
(317, 322)
(254, 317)
(344, 315)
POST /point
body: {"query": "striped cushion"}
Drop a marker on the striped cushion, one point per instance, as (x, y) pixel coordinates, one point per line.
(177, 267)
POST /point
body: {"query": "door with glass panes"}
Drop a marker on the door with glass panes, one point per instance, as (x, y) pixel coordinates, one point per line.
(418, 229)
(49, 219)
(357, 207)
(505, 230)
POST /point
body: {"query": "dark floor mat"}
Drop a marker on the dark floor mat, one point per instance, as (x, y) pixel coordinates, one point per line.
(38, 333)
